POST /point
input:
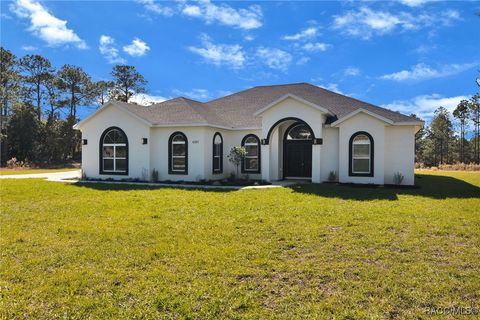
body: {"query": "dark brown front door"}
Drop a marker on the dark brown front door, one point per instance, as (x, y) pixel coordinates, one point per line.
(297, 159)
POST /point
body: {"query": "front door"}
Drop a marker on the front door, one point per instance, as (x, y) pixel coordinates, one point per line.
(298, 159)
(297, 151)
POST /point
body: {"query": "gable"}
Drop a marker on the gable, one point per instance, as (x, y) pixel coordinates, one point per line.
(362, 114)
(110, 112)
(292, 101)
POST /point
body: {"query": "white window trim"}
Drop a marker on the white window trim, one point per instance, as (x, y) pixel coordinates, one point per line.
(254, 144)
(114, 158)
(178, 157)
(361, 157)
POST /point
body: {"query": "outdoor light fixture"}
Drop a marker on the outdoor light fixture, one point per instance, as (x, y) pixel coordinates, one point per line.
(144, 140)
(85, 142)
(318, 141)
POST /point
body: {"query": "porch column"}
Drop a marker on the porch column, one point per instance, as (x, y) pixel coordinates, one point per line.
(265, 162)
(316, 174)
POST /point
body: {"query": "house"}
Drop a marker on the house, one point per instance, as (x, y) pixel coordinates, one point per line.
(292, 131)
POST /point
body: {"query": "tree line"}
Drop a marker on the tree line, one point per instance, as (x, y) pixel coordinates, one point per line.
(40, 103)
(39, 106)
(451, 137)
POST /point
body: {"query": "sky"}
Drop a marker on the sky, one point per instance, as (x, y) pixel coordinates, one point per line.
(410, 56)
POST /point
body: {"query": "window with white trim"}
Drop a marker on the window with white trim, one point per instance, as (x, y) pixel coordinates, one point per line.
(178, 152)
(217, 164)
(114, 152)
(251, 163)
(361, 154)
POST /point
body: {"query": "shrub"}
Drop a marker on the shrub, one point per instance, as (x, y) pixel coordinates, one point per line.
(460, 166)
(398, 178)
(14, 163)
(236, 156)
(155, 175)
(332, 176)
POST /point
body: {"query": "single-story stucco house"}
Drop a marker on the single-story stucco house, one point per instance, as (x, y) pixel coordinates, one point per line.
(292, 131)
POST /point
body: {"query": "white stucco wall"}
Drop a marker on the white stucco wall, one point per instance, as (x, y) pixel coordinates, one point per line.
(376, 128)
(234, 138)
(111, 116)
(296, 109)
(393, 146)
(231, 138)
(400, 153)
(330, 149)
(276, 150)
(196, 138)
(290, 108)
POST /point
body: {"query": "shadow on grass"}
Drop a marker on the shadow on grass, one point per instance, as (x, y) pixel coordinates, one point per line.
(132, 186)
(436, 187)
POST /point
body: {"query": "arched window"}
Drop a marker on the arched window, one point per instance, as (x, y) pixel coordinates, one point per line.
(361, 154)
(178, 154)
(217, 153)
(299, 132)
(114, 152)
(251, 163)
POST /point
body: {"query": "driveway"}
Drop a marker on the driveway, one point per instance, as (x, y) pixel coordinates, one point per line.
(50, 176)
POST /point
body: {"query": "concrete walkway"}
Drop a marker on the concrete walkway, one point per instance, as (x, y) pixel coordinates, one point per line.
(50, 176)
(74, 176)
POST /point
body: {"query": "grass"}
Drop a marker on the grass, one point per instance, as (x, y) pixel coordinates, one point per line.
(330, 252)
(5, 171)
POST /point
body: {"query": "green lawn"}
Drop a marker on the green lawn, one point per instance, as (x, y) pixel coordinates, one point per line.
(329, 252)
(5, 172)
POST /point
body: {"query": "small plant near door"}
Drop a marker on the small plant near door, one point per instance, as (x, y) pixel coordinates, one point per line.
(332, 176)
(155, 175)
(236, 156)
(398, 178)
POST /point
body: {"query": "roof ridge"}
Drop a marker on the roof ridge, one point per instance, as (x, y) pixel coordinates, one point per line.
(284, 85)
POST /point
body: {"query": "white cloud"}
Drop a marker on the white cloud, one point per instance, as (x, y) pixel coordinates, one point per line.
(332, 87)
(44, 25)
(351, 72)
(414, 3)
(303, 60)
(109, 51)
(29, 48)
(195, 94)
(146, 99)
(137, 48)
(250, 18)
(220, 54)
(423, 71)
(365, 22)
(307, 33)
(5, 16)
(425, 105)
(274, 58)
(153, 6)
(315, 46)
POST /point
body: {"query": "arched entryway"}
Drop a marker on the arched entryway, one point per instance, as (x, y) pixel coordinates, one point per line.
(297, 151)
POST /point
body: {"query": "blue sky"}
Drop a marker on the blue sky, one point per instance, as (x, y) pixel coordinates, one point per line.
(411, 56)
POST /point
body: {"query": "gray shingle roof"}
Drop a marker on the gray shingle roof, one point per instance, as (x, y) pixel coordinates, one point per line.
(237, 110)
(175, 111)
